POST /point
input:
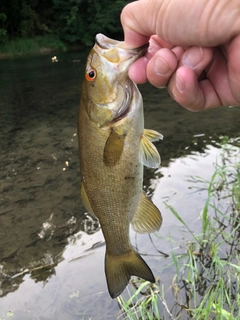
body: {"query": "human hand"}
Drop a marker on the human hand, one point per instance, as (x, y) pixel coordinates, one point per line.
(198, 60)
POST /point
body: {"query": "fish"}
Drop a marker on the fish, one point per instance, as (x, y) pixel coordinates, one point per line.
(113, 147)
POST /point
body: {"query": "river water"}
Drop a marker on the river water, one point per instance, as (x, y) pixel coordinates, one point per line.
(51, 250)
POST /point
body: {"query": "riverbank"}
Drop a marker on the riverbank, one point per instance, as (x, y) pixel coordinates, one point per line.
(36, 45)
(205, 283)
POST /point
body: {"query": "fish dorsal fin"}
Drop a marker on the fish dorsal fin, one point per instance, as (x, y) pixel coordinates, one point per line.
(149, 155)
(113, 148)
(147, 217)
(85, 200)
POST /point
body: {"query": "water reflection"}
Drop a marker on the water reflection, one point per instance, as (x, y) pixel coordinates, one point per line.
(48, 257)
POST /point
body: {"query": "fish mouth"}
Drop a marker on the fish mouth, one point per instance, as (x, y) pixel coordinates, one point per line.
(116, 60)
(106, 43)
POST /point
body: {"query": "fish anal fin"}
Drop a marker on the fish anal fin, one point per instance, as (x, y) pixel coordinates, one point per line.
(113, 148)
(149, 155)
(152, 135)
(147, 217)
(120, 268)
(85, 200)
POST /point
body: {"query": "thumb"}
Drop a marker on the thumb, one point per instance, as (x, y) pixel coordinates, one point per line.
(139, 20)
(186, 23)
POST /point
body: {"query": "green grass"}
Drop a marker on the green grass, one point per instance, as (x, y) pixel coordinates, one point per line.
(206, 283)
(32, 45)
(8, 315)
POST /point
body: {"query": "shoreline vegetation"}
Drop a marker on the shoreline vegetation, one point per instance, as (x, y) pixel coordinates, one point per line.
(37, 45)
(30, 27)
(205, 284)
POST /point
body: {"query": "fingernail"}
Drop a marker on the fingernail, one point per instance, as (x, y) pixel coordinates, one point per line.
(180, 84)
(161, 68)
(193, 57)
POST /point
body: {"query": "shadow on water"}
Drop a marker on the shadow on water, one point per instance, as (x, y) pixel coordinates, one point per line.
(51, 258)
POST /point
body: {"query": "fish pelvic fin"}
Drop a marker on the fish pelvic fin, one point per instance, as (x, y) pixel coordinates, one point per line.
(85, 200)
(147, 217)
(152, 135)
(120, 268)
(149, 155)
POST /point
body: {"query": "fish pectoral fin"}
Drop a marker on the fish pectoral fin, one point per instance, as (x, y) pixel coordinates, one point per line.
(147, 217)
(149, 155)
(113, 148)
(120, 268)
(152, 135)
(85, 200)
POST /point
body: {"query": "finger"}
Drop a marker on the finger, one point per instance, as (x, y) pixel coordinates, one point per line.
(162, 61)
(232, 52)
(161, 67)
(137, 26)
(191, 94)
(196, 58)
(184, 85)
(156, 43)
(212, 92)
(178, 51)
(171, 21)
(223, 78)
(138, 70)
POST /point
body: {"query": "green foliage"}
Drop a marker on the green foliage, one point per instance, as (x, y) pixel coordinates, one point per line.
(71, 21)
(9, 314)
(30, 24)
(35, 45)
(25, 18)
(3, 32)
(80, 20)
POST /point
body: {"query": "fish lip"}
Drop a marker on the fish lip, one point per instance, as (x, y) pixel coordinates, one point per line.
(100, 40)
(107, 43)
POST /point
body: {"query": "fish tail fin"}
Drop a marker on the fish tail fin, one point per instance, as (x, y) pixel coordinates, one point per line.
(119, 269)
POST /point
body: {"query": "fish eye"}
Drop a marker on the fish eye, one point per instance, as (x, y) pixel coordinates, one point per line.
(91, 74)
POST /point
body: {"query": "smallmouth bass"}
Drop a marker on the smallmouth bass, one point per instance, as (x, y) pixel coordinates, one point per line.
(113, 147)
